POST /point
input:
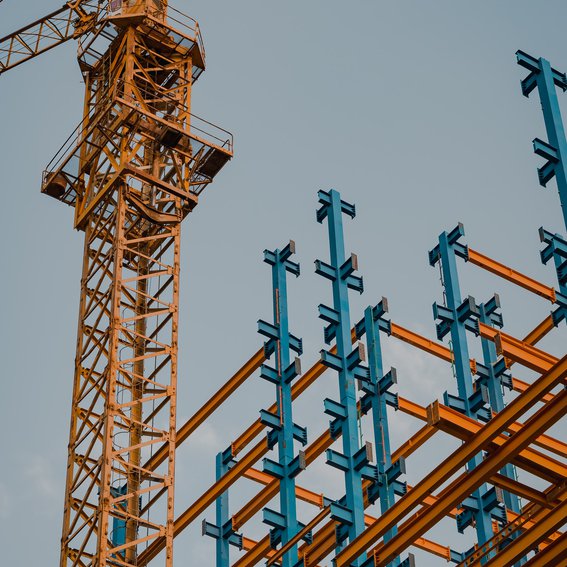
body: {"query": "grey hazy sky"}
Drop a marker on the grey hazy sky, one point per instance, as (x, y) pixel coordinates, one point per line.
(411, 109)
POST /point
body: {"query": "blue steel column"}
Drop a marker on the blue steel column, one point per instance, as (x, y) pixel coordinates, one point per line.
(222, 530)
(454, 317)
(222, 515)
(545, 78)
(354, 460)
(556, 248)
(494, 382)
(377, 389)
(285, 524)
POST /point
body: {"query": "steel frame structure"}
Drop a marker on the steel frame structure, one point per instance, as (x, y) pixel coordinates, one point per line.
(488, 494)
(133, 170)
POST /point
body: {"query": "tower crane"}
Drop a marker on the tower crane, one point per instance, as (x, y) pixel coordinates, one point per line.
(133, 169)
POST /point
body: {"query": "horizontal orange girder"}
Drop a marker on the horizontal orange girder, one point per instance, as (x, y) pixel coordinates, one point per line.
(518, 350)
(256, 551)
(511, 275)
(513, 347)
(300, 492)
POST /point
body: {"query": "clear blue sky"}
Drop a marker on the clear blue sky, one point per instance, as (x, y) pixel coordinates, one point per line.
(411, 109)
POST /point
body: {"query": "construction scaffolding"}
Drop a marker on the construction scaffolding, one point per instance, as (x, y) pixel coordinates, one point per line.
(133, 170)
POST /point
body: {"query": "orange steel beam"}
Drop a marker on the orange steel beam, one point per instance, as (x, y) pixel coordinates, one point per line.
(461, 426)
(441, 351)
(256, 553)
(542, 359)
(465, 428)
(209, 407)
(511, 275)
(414, 442)
(550, 413)
(521, 489)
(464, 484)
(301, 493)
(516, 549)
(535, 335)
(324, 542)
(518, 350)
(521, 386)
(432, 347)
(550, 555)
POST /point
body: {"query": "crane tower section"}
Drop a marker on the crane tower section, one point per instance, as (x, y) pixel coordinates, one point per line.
(133, 169)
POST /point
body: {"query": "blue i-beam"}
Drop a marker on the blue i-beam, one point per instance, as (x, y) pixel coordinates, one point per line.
(545, 78)
(283, 430)
(454, 317)
(556, 249)
(492, 375)
(222, 531)
(354, 461)
(376, 390)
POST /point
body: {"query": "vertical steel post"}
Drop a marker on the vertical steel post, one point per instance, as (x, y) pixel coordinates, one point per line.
(454, 316)
(283, 430)
(556, 248)
(222, 515)
(493, 382)
(378, 386)
(346, 362)
(545, 78)
(223, 530)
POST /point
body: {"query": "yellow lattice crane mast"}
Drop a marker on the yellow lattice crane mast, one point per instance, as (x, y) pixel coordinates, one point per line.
(133, 169)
